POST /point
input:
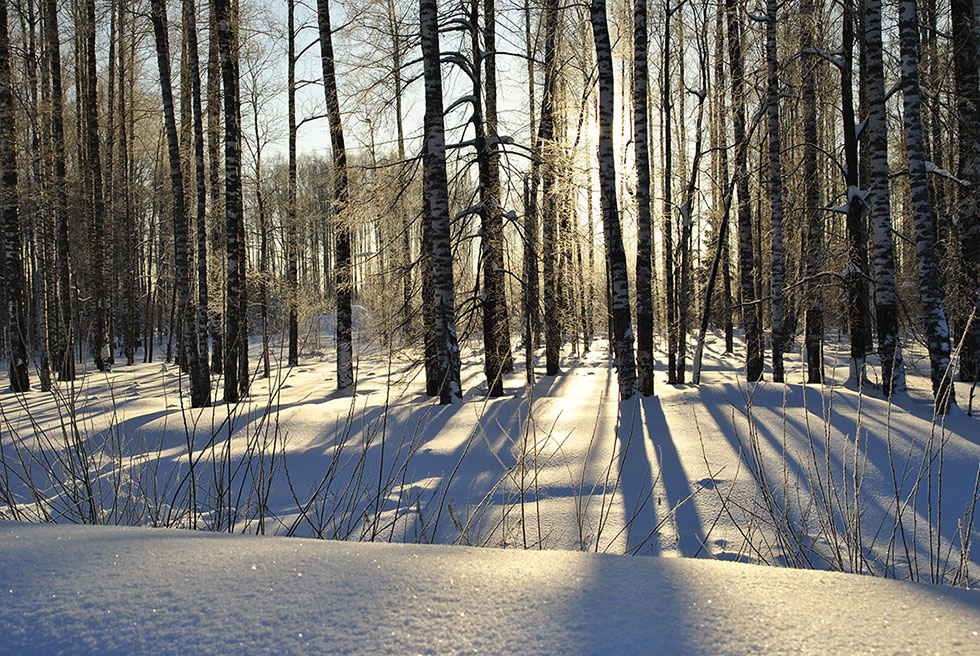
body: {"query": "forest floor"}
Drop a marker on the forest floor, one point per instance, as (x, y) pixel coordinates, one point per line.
(824, 477)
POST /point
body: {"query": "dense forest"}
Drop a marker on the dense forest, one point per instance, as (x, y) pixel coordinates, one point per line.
(179, 179)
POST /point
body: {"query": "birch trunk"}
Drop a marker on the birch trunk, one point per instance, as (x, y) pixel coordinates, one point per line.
(751, 310)
(549, 220)
(644, 246)
(930, 294)
(775, 189)
(236, 334)
(616, 256)
(812, 222)
(879, 207)
(16, 328)
(965, 50)
(200, 383)
(437, 195)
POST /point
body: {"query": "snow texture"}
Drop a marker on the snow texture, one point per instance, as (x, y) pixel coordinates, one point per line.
(77, 589)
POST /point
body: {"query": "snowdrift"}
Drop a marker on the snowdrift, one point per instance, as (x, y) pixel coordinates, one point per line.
(79, 589)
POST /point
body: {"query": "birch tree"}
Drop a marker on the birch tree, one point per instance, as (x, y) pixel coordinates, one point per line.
(16, 328)
(622, 328)
(644, 246)
(436, 192)
(751, 310)
(930, 294)
(200, 382)
(879, 206)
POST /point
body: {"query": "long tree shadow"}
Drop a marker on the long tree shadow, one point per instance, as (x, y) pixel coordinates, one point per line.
(677, 487)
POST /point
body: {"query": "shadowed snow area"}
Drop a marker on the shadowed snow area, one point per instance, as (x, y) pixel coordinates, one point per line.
(80, 589)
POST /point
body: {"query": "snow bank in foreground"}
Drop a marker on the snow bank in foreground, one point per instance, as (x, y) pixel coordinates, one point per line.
(74, 589)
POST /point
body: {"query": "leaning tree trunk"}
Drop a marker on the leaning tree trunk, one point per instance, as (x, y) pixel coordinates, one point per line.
(16, 328)
(813, 322)
(930, 293)
(437, 194)
(345, 341)
(200, 382)
(616, 255)
(775, 189)
(751, 310)
(966, 53)
(878, 202)
(236, 334)
(644, 239)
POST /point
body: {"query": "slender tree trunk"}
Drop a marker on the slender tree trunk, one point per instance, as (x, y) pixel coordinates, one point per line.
(775, 189)
(644, 247)
(619, 282)
(751, 310)
(966, 53)
(878, 202)
(214, 182)
(549, 220)
(813, 224)
(666, 105)
(236, 334)
(494, 262)
(98, 329)
(16, 328)
(437, 195)
(345, 346)
(291, 243)
(858, 303)
(194, 70)
(200, 382)
(930, 294)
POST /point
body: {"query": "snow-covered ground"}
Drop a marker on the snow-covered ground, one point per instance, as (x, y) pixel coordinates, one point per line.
(817, 477)
(74, 589)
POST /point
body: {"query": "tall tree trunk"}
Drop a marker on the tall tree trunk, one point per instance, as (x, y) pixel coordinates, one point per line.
(644, 239)
(775, 189)
(930, 294)
(751, 310)
(965, 55)
(547, 152)
(668, 205)
(236, 333)
(812, 221)
(98, 328)
(16, 328)
(858, 303)
(494, 260)
(878, 202)
(292, 292)
(345, 346)
(194, 70)
(619, 282)
(437, 193)
(491, 221)
(200, 383)
(217, 212)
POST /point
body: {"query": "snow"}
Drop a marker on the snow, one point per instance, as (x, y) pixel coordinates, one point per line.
(817, 477)
(80, 589)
